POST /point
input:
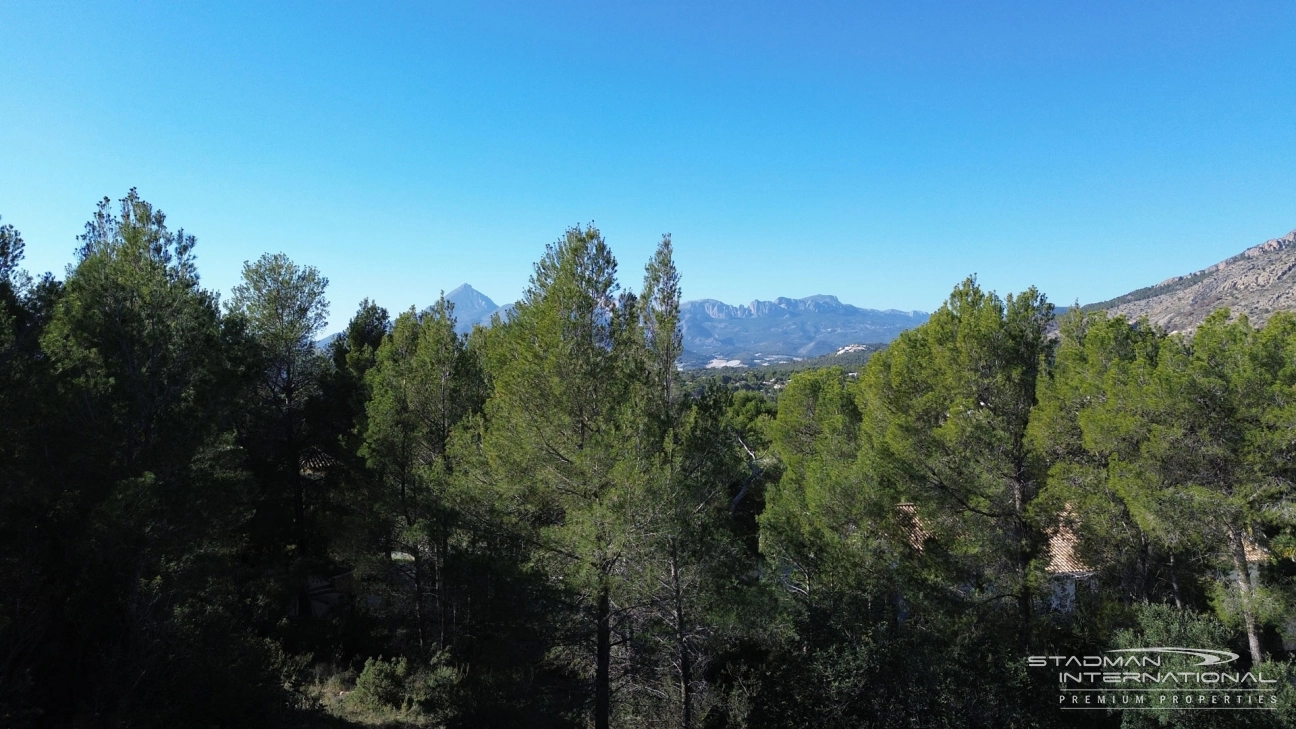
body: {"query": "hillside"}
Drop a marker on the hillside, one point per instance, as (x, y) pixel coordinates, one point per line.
(1256, 282)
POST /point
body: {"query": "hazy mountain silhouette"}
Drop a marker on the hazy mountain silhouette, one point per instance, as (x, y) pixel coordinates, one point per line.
(473, 307)
(784, 329)
(761, 332)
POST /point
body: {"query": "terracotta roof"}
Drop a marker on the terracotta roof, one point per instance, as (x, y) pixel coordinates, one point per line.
(912, 524)
(1254, 552)
(315, 464)
(1062, 543)
(1062, 548)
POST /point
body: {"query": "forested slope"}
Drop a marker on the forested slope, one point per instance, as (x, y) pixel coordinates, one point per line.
(208, 521)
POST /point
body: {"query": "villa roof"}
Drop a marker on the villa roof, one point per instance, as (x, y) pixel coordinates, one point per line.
(1062, 543)
(1061, 550)
(314, 463)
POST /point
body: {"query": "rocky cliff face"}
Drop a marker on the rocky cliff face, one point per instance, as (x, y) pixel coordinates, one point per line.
(1257, 282)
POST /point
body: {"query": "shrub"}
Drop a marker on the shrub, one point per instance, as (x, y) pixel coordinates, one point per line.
(381, 684)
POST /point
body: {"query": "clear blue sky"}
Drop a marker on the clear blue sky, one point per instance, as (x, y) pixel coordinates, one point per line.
(879, 152)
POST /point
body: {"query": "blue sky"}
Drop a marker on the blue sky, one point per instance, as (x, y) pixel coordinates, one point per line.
(879, 152)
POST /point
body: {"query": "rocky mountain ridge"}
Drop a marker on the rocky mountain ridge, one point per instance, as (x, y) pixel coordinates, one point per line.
(717, 334)
(1257, 282)
(762, 332)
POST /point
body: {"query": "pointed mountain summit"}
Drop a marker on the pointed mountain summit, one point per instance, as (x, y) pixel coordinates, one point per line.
(470, 303)
(472, 307)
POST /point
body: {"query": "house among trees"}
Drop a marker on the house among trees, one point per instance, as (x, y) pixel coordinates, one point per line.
(1065, 568)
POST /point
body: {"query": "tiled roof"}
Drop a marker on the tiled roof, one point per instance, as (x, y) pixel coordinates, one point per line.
(913, 526)
(1254, 552)
(1062, 543)
(1062, 549)
(314, 463)
(1061, 546)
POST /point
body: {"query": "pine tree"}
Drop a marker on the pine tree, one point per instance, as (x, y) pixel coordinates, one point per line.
(423, 384)
(945, 414)
(1087, 429)
(283, 307)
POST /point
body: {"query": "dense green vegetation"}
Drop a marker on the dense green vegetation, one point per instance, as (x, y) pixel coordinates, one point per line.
(205, 520)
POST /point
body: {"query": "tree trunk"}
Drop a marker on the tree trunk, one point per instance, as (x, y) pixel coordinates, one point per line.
(299, 515)
(603, 661)
(1144, 568)
(304, 608)
(681, 637)
(1023, 554)
(419, 610)
(1243, 580)
(442, 556)
(1174, 583)
(1024, 598)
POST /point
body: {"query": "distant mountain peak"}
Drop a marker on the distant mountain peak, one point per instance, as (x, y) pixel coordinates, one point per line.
(472, 307)
(466, 294)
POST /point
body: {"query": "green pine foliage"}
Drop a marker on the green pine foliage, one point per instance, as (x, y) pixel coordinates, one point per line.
(208, 520)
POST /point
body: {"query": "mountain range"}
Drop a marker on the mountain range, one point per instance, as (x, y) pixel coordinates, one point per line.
(717, 334)
(1257, 282)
